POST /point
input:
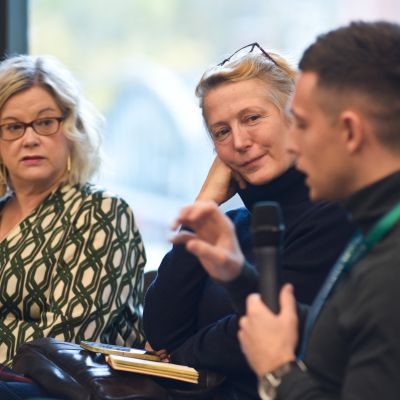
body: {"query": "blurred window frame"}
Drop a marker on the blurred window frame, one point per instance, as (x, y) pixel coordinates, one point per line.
(13, 27)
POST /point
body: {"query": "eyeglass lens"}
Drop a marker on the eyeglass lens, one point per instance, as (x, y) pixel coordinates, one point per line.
(42, 126)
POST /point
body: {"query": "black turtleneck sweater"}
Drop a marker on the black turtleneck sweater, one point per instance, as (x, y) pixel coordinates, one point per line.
(192, 316)
(354, 348)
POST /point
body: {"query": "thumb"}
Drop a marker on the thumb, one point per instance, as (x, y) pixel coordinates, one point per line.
(287, 300)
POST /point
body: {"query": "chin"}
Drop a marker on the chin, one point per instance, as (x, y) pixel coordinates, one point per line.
(314, 196)
(322, 195)
(261, 179)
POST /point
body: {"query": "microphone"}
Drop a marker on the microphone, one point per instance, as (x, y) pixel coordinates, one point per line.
(267, 230)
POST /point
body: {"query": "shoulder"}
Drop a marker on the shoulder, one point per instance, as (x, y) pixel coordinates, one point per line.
(241, 219)
(239, 216)
(379, 270)
(95, 200)
(371, 293)
(93, 193)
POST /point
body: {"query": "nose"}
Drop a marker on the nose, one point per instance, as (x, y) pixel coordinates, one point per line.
(241, 139)
(30, 138)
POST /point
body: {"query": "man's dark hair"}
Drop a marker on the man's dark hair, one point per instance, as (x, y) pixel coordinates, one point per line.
(362, 58)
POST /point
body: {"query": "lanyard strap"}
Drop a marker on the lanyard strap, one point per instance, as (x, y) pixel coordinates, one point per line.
(354, 251)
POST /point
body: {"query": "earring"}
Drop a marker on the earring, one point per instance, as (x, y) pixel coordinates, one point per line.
(69, 164)
(3, 174)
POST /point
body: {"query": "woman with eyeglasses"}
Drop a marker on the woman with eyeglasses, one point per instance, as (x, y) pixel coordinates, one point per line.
(244, 101)
(71, 256)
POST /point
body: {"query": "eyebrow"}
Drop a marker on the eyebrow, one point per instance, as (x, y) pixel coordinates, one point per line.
(256, 109)
(216, 126)
(44, 110)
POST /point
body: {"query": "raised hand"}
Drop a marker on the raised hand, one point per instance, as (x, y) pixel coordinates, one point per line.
(213, 239)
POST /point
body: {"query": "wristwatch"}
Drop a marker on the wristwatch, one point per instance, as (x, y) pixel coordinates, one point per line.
(269, 383)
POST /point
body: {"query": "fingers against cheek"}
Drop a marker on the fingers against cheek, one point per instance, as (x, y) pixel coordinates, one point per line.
(239, 180)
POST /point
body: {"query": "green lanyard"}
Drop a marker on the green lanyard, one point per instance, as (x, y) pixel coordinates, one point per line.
(354, 251)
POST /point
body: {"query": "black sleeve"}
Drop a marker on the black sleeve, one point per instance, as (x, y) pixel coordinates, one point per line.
(171, 312)
(171, 302)
(311, 247)
(355, 348)
(170, 318)
(242, 286)
(299, 385)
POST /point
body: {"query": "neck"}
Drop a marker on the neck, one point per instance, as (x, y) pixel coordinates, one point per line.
(26, 199)
(371, 171)
(287, 189)
(23, 204)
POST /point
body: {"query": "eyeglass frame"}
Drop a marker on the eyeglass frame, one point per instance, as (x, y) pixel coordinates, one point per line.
(253, 46)
(27, 125)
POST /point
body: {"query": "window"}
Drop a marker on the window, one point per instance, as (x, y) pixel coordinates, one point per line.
(139, 62)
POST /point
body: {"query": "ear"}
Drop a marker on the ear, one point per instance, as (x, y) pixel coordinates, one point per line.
(353, 132)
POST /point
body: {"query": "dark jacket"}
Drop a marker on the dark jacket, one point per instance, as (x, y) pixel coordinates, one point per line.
(192, 316)
(354, 347)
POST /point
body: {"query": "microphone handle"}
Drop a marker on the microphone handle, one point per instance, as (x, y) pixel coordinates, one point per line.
(267, 263)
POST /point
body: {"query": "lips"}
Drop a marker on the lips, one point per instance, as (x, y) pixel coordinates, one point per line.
(29, 158)
(250, 162)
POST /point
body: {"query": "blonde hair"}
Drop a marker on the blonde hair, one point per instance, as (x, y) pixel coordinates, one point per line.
(276, 73)
(83, 123)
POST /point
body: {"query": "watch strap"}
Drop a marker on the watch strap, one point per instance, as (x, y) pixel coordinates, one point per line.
(269, 383)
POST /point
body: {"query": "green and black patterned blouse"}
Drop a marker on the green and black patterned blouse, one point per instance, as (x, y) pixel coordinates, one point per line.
(73, 270)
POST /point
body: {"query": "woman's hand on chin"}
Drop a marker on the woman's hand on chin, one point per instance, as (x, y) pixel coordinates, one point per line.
(221, 183)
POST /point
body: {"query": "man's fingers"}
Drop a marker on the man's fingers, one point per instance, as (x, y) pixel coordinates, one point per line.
(206, 252)
(181, 237)
(255, 305)
(194, 214)
(287, 299)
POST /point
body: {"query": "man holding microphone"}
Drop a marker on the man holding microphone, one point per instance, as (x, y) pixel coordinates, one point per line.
(346, 112)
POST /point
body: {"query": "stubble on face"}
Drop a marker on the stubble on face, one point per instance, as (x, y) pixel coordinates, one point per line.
(316, 140)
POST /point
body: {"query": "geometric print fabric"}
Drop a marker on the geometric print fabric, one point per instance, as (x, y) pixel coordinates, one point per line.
(73, 270)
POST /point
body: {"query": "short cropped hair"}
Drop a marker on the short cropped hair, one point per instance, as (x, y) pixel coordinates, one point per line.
(278, 75)
(361, 60)
(83, 123)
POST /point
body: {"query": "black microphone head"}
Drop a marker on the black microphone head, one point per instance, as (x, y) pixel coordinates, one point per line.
(267, 224)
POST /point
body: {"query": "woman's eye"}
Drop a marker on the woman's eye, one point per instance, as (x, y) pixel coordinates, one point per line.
(252, 118)
(300, 125)
(14, 127)
(220, 134)
(45, 123)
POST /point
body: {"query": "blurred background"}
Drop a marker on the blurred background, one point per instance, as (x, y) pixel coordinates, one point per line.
(139, 62)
